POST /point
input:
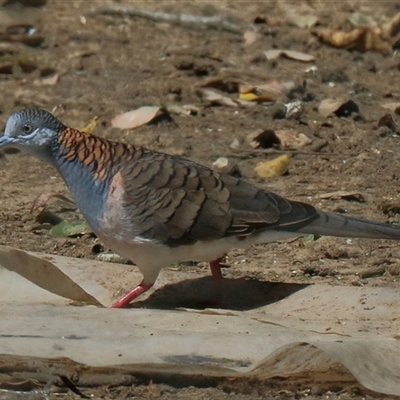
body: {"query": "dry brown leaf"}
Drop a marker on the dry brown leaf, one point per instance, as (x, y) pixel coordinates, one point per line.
(392, 28)
(342, 108)
(292, 139)
(362, 39)
(292, 54)
(44, 198)
(388, 121)
(265, 139)
(351, 196)
(135, 118)
(338, 38)
(47, 81)
(276, 167)
(392, 106)
(213, 98)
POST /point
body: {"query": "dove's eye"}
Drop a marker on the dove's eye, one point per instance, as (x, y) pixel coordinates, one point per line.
(27, 128)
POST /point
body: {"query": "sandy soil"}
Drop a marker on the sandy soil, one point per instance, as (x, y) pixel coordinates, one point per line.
(111, 64)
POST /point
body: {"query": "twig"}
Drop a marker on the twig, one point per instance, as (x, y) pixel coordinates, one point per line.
(218, 22)
(276, 151)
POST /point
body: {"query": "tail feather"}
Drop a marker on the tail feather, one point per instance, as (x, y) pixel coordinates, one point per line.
(330, 224)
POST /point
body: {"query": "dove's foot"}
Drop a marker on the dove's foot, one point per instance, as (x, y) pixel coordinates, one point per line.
(125, 300)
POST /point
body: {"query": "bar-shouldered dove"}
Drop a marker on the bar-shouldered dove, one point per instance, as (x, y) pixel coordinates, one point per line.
(156, 209)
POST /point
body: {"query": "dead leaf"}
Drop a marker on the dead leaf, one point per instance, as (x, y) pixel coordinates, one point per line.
(253, 93)
(186, 109)
(44, 198)
(91, 126)
(360, 20)
(135, 118)
(275, 87)
(48, 81)
(350, 196)
(292, 139)
(392, 106)
(305, 21)
(228, 85)
(214, 98)
(292, 54)
(276, 167)
(361, 39)
(388, 121)
(392, 28)
(264, 139)
(338, 38)
(341, 108)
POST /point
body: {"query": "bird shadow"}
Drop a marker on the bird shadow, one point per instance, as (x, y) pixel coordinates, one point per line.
(206, 292)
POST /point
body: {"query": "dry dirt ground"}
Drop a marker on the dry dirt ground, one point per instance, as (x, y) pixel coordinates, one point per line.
(108, 64)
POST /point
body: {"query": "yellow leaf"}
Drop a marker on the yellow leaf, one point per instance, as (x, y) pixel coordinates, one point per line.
(252, 93)
(276, 167)
(91, 126)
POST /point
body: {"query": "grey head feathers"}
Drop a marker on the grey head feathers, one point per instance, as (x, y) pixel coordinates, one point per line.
(32, 130)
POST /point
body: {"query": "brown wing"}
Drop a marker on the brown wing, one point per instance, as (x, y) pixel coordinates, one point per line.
(176, 201)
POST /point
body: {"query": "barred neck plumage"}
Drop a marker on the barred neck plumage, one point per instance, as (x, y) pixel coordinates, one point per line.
(100, 156)
(88, 163)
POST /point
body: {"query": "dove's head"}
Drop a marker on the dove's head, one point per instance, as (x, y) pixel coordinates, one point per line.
(32, 130)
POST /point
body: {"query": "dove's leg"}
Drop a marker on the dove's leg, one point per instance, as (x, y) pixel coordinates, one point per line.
(125, 300)
(216, 269)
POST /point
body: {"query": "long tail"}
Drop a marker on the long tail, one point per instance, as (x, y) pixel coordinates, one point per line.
(330, 224)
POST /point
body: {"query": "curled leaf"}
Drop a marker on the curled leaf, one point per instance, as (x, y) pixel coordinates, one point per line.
(292, 139)
(341, 108)
(292, 54)
(134, 119)
(44, 198)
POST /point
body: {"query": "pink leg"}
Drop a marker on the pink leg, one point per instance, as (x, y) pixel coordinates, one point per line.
(216, 269)
(125, 300)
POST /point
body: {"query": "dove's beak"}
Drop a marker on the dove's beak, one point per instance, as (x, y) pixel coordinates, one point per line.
(6, 141)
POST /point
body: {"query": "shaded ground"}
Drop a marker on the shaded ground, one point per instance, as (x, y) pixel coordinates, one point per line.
(111, 64)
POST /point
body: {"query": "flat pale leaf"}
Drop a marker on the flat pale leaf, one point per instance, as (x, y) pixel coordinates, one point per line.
(292, 139)
(303, 21)
(134, 119)
(42, 273)
(70, 228)
(360, 20)
(292, 54)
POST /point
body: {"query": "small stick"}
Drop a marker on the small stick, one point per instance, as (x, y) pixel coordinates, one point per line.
(187, 20)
